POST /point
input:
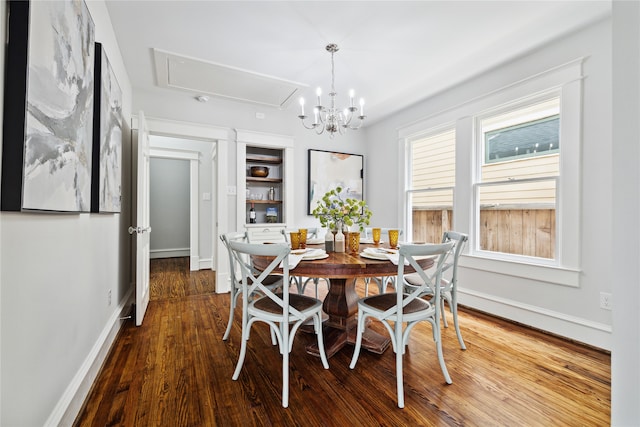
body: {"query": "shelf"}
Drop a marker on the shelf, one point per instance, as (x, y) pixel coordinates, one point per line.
(258, 179)
(265, 202)
(271, 160)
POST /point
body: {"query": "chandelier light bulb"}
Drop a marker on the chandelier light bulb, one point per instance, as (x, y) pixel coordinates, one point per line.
(301, 106)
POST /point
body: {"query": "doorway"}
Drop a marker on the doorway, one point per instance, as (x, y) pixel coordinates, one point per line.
(169, 208)
(218, 220)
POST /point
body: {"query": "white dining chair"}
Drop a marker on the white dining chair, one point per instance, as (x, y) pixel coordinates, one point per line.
(283, 312)
(272, 281)
(394, 309)
(449, 282)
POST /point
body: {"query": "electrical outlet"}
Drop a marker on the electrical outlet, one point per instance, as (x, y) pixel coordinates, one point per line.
(231, 190)
(606, 301)
(109, 297)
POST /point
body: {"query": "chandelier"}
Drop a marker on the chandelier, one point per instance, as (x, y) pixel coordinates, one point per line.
(332, 119)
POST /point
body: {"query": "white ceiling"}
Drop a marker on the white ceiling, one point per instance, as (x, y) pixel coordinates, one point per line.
(392, 53)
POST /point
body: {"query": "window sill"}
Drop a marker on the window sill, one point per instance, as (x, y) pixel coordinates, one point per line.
(542, 273)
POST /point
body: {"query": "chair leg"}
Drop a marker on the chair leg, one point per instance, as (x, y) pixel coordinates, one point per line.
(234, 302)
(444, 314)
(298, 282)
(454, 311)
(356, 350)
(243, 351)
(366, 286)
(317, 321)
(285, 376)
(438, 339)
(399, 355)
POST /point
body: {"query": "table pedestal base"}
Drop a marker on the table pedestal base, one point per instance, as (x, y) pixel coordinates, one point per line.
(341, 327)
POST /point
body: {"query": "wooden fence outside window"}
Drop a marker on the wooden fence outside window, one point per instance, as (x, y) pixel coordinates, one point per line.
(529, 232)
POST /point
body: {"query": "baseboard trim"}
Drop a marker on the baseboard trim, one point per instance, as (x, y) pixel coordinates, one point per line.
(71, 401)
(578, 329)
(169, 253)
(206, 264)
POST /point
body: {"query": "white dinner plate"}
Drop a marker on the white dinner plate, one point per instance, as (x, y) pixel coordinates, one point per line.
(315, 241)
(368, 241)
(312, 256)
(383, 251)
(379, 257)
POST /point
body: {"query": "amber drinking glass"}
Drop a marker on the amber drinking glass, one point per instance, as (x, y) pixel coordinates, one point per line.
(354, 242)
(376, 235)
(303, 238)
(295, 240)
(393, 239)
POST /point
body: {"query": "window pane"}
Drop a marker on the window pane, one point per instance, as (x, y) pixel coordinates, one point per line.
(522, 143)
(534, 138)
(433, 161)
(430, 197)
(432, 214)
(518, 218)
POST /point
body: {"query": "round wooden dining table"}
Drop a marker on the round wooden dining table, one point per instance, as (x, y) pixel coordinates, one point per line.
(341, 302)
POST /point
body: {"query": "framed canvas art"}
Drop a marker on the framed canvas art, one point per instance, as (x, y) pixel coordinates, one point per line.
(48, 107)
(106, 180)
(328, 170)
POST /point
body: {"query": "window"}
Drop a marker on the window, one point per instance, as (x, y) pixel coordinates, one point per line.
(518, 202)
(518, 179)
(431, 182)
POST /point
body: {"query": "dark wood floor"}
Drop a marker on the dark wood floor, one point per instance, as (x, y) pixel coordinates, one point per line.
(175, 370)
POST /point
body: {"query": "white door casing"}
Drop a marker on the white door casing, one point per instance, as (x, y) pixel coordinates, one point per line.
(220, 164)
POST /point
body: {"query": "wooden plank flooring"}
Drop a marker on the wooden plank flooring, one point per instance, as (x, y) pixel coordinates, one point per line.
(175, 370)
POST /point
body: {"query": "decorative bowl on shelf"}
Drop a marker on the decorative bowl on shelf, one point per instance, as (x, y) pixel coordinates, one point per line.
(259, 171)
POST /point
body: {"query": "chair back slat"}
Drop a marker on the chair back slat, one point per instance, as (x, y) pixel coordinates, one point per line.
(233, 265)
(410, 253)
(460, 240)
(253, 280)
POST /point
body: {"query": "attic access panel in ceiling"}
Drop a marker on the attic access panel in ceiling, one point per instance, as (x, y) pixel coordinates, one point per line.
(202, 77)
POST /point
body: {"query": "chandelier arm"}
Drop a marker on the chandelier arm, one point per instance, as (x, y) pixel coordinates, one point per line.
(359, 125)
(312, 126)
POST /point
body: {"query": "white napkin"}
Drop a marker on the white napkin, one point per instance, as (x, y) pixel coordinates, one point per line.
(293, 261)
(312, 253)
(395, 258)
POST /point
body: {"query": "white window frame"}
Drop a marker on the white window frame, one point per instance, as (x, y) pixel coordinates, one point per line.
(478, 183)
(566, 79)
(408, 188)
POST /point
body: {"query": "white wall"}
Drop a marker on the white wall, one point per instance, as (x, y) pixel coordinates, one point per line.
(568, 311)
(56, 273)
(169, 207)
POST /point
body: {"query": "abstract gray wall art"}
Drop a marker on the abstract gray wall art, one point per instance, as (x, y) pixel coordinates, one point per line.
(328, 170)
(106, 184)
(56, 105)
